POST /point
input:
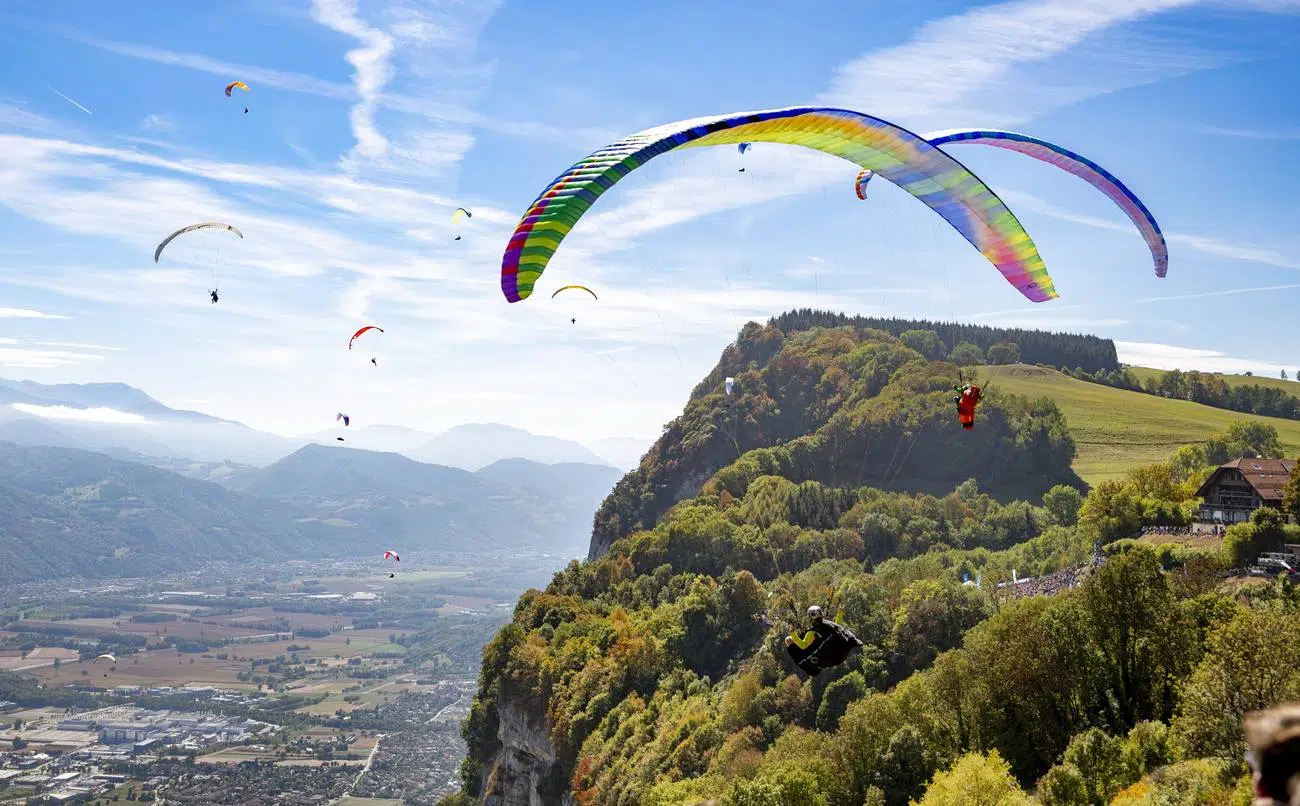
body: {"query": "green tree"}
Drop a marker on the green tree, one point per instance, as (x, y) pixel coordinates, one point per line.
(1145, 638)
(1252, 662)
(1063, 785)
(837, 698)
(1291, 496)
(1244, 438)
(976, 780)
(966, 355)
(925, 342)
(1062, 503)
(1105, 763)
(1004, 352)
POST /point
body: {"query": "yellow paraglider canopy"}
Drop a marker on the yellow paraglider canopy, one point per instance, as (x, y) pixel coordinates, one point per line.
(580, 287)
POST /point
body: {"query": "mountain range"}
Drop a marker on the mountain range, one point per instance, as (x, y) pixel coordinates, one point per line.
(66, 511)
(136, 426)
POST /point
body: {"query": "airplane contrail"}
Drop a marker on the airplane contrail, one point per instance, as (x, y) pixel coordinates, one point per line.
(69, 100)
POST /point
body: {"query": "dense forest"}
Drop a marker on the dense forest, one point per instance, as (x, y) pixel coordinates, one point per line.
(1089, 353)
(655, 673)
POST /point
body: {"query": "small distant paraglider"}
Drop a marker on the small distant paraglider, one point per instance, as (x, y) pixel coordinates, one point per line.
(105, 657)
(346, 420)
(237, 85)
(573, 320)
(358, 334)
(860, 184)
(458, 215)
(741, 148)
(389, 554)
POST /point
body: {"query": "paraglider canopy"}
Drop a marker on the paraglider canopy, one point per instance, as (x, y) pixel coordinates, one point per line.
(365, 329)
(730, 383)
(346, 420)
(917, 167)
(458, 215)
(579, 287)
(237, 85)
(106, 656)
(389, 554)
(157, 253)
(1076, 164)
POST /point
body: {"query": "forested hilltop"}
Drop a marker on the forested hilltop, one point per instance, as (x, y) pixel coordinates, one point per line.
(832, 398)
(655, 673)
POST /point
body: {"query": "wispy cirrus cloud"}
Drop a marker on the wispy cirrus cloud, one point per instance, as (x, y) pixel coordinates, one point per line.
(1205, 244)
(951, 60)
(1250, 134)
(42, 358)
(414, 30)
(157, 122)
(372, 69)
(27, 313)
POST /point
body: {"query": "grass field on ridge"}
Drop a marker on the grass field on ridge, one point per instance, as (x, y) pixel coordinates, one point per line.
(1115, 429)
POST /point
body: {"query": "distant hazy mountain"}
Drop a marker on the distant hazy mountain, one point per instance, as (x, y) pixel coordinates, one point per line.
(585, 485)
(622, 452)
(477, 445)
(166, 432)
(426, 506)
(32, 431)
(69, 512)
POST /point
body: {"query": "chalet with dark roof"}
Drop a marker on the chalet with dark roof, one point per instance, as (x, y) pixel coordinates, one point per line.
(1235, 490)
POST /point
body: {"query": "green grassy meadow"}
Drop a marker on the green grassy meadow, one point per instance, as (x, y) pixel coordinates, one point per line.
(1116, 430)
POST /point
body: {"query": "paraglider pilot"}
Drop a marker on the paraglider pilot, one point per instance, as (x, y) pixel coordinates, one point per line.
(967, 398)
(826, 644)
(213, 293)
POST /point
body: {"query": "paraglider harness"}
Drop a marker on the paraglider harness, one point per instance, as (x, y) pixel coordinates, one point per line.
(827, 644)
(213, 293)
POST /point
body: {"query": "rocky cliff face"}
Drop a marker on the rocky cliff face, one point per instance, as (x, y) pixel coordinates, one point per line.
(525, 771)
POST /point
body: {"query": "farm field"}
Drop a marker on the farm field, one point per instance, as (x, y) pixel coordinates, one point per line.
(1149, 431)
(169, 667)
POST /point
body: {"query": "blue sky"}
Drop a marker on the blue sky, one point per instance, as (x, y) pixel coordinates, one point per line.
(370, 122)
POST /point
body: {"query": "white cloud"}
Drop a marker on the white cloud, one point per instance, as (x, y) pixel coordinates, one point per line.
(1167, 356)
(372, 70)
(97, 414)
(27, 313)
(157, 122)
(27, 358)
(279, 79)
(16, 117)
(951, 59)
(76, 345)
